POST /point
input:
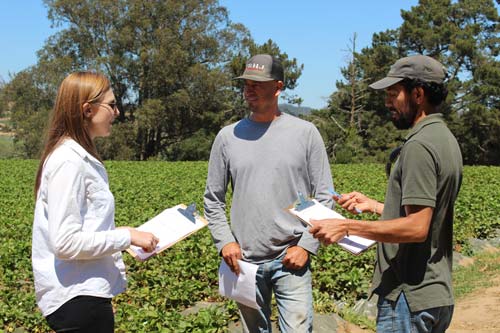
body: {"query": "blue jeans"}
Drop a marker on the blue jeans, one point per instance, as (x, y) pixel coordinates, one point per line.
(293, 293)
(397, 317)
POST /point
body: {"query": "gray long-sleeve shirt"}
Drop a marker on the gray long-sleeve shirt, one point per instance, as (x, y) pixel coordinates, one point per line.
(267, 164)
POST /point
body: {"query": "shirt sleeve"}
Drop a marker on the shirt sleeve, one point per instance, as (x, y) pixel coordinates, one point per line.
(321, 181)
(215, 196)
(66, 199)
(419, 176)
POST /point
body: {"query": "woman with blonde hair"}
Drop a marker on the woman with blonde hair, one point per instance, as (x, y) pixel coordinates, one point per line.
(76, 249)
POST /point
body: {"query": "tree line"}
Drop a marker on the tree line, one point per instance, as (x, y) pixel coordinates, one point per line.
(171, 65)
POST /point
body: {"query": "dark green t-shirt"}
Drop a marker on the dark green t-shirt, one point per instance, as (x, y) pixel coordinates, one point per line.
(428, 172)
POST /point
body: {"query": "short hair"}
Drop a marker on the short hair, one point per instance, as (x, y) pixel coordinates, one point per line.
(435, 92)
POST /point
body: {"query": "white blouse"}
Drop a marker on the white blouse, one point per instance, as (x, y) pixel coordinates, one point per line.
(76, 249)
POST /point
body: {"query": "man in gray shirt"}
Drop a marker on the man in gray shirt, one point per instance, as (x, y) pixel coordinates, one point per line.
(268, 158)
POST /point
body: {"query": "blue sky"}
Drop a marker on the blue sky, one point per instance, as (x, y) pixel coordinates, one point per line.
(316, 32)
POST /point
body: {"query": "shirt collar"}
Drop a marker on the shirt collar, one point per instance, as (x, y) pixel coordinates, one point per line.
(430, 119)
(77, 148)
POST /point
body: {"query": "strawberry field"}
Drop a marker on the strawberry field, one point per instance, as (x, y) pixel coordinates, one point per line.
(161, 288)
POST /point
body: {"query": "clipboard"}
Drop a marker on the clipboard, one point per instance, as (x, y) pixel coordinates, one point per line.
(170, 226)
(307, 209)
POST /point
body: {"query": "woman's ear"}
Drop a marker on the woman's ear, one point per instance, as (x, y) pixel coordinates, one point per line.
(87, 110)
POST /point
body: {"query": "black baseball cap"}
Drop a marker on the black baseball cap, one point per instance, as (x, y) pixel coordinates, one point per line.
(418, 66)
(263, 67)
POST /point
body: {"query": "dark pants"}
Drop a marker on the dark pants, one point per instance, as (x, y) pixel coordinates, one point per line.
(83, 314)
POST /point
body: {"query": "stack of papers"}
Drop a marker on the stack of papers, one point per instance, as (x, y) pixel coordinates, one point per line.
(242, 287)
(317, 211)
(170, 226)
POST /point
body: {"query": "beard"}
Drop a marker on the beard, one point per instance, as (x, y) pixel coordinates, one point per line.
(406, 118)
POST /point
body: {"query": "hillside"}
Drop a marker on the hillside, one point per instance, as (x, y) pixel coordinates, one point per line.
(295, 110)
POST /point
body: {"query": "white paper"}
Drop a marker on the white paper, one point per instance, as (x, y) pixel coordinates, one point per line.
(242, 287)
(169, 226)
(353, 244)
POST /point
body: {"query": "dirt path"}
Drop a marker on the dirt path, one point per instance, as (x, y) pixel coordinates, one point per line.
(478, 312)
(351, 328)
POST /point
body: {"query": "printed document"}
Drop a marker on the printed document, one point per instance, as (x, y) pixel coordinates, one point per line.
(170, 226)
(353, 244)
(240, 288)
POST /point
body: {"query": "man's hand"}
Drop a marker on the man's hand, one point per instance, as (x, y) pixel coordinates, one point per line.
(231, 253)
(295, 258)
(328, 231)
(355, 200)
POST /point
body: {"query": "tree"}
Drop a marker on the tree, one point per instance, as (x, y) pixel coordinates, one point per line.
(29, 98)
(356, 87)
(3, 103)
(463, 35)
(344, 113)
(165, 60)
(170, 64)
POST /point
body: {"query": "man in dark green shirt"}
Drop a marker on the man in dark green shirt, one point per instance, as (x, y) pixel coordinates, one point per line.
(414, 255)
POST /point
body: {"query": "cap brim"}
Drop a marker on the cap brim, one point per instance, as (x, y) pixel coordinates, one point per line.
(385, 82)
(254, 78)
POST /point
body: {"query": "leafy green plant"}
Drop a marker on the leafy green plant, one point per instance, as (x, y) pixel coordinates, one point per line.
(481, 274)
(162, 287)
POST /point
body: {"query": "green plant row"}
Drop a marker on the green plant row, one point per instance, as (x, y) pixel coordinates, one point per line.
(162, 287)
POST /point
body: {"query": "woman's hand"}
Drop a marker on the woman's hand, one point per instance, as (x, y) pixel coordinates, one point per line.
(146, 240)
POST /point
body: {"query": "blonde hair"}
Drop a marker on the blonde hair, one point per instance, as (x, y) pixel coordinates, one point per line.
(67, 118)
